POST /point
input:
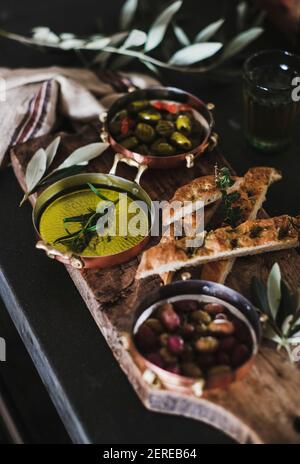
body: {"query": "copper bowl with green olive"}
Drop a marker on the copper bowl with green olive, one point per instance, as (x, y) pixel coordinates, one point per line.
(159, 127)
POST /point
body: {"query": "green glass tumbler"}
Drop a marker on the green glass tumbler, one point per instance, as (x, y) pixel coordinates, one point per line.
(271, 100)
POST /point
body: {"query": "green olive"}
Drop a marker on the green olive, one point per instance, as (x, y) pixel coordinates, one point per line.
(130, 142)
(161, 147)
(143, 149)
(183, 123)
(138, 105)
(115, 127)
(165, 128)
(181, 141)
(144, 132)
(151, 116)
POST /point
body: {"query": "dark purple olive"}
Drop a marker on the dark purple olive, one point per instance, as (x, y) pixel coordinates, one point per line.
(169, 317)
(186, 305)
(242, 331)
(228, 343)
(223, 358)
(146, 338)
(240, 354)
(187, 354)
(175, 344)
(174, 370)
(155, 358)
(206, 360)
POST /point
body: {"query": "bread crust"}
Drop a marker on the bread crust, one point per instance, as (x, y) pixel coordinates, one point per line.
(250, 237)
(252, 195)
(200, 189)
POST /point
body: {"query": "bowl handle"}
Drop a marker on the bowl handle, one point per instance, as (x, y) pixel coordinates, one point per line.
(67, 258)
(122, 159)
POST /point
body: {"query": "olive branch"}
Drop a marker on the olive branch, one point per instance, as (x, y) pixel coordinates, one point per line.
(132, 43)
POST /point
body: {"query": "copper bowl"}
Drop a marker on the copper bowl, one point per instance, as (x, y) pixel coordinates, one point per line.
(77, 182)
(161, 162)
(203, 291)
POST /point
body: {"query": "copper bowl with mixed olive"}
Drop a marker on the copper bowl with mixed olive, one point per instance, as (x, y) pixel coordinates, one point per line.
(159, 127)
(195, 336)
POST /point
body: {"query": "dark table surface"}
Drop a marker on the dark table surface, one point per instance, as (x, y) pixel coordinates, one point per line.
(92, 395)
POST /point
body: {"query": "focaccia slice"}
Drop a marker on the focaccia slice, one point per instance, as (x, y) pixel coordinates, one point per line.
(202, 188)
(252, 195)
(249, 238)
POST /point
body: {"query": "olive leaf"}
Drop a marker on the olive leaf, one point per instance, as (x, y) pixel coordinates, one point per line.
(181, 35)
(136, 38)
(115, 40)
(274, 289)
(128, 12)
(36, 169)
(282, 325)
(34, 172)
(209, 31)
(286, 325)
(194, 53)
(270, 334)
(98, 44)
(294, 339)
(242, 12)
(45, 34)
(242, 40)
(160, 25)
(72, 44)
(61, 174)
(81, 156)
(287, 304)
(110, 46)
(260, 297)
(38, 164)
(51, 150)
(151, 67)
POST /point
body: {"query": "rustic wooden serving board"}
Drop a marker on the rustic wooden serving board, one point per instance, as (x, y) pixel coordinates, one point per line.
(262, 408)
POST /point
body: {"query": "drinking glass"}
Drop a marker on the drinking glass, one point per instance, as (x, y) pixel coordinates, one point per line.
(271, 99)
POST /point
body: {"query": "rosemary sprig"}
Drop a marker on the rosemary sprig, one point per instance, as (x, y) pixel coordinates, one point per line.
(79, 240)
(231, 214)
(281, 309)
(223, 178)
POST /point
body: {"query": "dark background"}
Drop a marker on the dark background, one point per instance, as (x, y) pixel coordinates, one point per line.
(99, 392)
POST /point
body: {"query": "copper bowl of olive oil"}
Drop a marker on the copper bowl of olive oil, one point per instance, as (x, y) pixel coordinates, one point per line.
(66, 219)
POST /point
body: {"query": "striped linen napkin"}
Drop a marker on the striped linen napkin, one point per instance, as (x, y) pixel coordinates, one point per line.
(31, 100)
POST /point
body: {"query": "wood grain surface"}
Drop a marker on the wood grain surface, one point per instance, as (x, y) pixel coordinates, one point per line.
(263, 407)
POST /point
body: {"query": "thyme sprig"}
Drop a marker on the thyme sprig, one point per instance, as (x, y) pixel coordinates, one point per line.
(281, 309)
